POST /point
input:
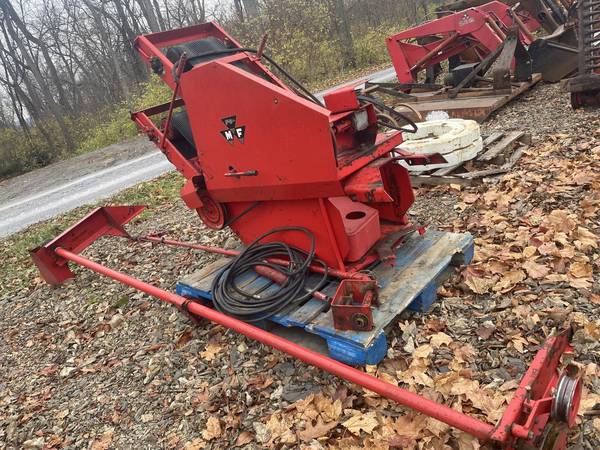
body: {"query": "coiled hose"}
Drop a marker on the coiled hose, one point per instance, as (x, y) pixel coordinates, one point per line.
(231, 299)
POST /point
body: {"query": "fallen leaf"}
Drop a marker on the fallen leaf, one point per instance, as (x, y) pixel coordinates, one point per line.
(103, 442)
(479, 285)
(185, 337)
(211, 351)
(316, 431)
(212, 430)
(245, 437)
(423, 351)
(398, 441)
(509, 280)
(439, 339)
(62, 414)
(365, 422)
(466, 441)
(485, 332)
(519, 343)
(580, 270)
(535, 270)
(196, 444)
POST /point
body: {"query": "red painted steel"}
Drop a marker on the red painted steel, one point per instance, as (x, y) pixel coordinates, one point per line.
(266, 157)
(438, 411)
(108, 220)
(472, 34)
(523, 420)
(351, 305)
(316, 268)
(529, 411)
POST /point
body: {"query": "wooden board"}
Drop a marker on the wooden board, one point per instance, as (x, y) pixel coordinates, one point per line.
(476, 106)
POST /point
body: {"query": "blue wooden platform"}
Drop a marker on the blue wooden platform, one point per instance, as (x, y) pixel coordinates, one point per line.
(422, 264)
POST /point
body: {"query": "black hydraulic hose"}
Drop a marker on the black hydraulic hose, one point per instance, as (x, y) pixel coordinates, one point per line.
(375, 101)
(232, 299)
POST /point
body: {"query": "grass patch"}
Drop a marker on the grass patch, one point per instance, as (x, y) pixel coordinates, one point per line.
(117, 124)
(19, 275)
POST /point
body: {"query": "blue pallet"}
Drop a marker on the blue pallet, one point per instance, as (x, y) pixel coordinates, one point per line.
(422, 264)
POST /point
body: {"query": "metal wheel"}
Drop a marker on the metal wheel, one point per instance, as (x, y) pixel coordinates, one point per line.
(565, 404)
(360, 321)
(212, 213)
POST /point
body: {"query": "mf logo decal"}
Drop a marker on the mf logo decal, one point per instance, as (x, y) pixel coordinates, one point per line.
(233, 132)
(465, 20)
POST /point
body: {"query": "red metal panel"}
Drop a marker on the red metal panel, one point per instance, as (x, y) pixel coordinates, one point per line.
(267, 157)
(351, 305)
(482, 28)
(342, 100)
(286, 140)
(108, 220)
(332, 247)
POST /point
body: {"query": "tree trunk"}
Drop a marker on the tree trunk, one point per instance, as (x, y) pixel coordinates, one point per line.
(52, 105)
(251, 8)
(159, 16)
(62, 96)
(342, 27)
(149, 15)
(139, 70)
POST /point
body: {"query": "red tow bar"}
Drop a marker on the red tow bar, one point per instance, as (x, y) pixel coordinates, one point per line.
(540, 414)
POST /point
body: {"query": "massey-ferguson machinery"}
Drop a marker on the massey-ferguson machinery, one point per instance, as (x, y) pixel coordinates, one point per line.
(471, 35)
(463, 38)
(315, 192)
(259, 156)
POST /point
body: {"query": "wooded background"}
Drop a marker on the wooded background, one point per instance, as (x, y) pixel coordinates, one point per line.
(69, 73)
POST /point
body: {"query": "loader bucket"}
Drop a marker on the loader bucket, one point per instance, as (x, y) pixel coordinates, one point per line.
(556, 56)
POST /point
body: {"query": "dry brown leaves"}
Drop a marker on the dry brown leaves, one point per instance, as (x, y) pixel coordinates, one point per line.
(536, 238)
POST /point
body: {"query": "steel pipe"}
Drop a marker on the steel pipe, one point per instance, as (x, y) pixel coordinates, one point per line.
(316, 268)
(438, 411)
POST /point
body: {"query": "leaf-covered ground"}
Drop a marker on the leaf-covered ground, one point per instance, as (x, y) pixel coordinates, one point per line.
(94, 364)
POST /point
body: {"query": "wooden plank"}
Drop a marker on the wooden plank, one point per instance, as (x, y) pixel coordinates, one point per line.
(473, 107)
(496, 170)
(202, 278)
(434, 180)
(418, 264)
(508, 142)
(489, 140)
(446, 170)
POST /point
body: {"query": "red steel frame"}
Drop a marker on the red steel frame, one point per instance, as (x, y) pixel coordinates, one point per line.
(479, 30)
(299, 164)
(524, 420)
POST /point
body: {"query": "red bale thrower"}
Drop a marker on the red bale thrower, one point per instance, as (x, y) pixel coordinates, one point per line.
(312, 190)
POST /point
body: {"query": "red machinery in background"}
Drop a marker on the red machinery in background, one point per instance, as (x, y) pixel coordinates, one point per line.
(467, 36)
(258, 156)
